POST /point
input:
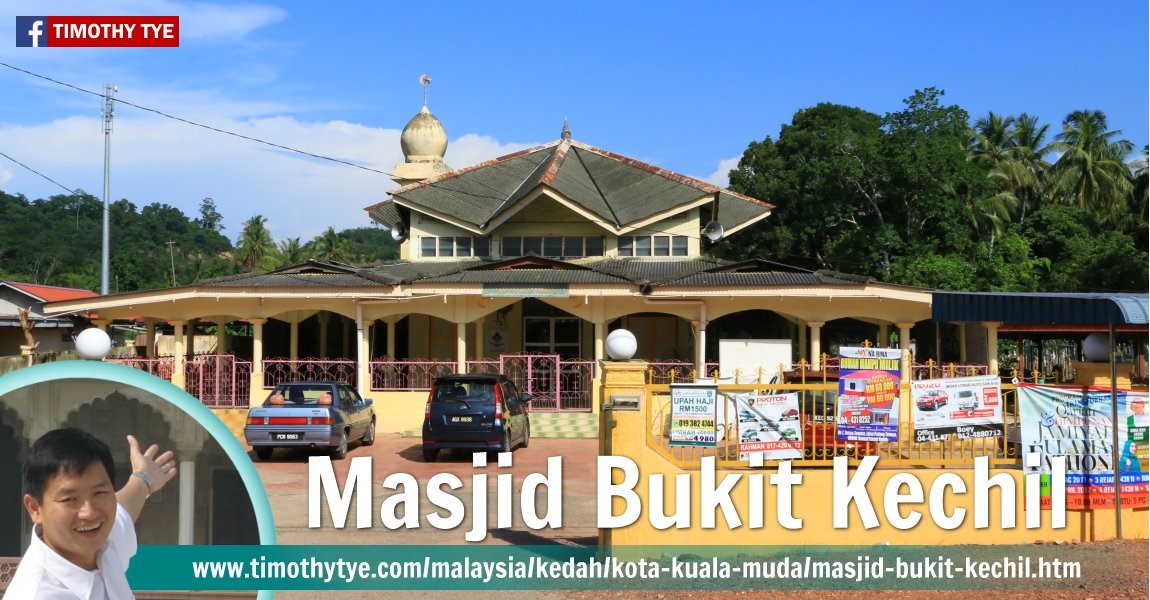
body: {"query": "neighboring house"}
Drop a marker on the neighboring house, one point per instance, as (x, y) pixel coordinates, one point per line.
(53, 333)
(540, 252)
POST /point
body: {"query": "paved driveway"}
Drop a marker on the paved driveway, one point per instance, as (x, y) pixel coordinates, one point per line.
(285, 478)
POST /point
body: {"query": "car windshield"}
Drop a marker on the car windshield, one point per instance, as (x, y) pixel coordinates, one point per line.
(299, 394)
(463, 390)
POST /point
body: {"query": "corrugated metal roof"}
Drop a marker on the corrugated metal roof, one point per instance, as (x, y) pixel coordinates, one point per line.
(1007, 307)
(620, 190)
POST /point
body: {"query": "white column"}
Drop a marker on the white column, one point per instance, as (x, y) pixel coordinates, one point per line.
(178, 338)
(904, 345)
(190, 338)
(816, 344)
(187, 517)
(701, 343)
(962, 342)
(346, 337)
(883, 336)
(257, 384)
(803, 336)
(221, 337)
(461, 347)
(293, 339)
(480, 347)
(323, 319)
(992, 347)
(600, 327)
(362, 351)
(391, 321)
(150, 333)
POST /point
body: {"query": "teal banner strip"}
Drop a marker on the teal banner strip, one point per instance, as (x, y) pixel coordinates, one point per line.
(561, 567)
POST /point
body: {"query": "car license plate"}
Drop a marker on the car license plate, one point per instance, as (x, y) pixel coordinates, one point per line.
(285, 437)
(462, 419)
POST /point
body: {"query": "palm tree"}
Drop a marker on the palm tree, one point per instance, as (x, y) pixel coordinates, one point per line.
(1091, 171)
(291, 252)
(1029, 154)
(255, 246)
(332, 246)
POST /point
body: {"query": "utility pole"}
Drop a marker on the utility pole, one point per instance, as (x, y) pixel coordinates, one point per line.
(109, 109)
(172, 255)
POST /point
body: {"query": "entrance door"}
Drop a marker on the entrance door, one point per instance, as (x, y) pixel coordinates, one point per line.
(552, 335)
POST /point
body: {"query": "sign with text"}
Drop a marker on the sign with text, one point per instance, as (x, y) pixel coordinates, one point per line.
(97, 31)
(771, 425)
(1078, 424)
(965, 407)
(868, 394)
(693, 415)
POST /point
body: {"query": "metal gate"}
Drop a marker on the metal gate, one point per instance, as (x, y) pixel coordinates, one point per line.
(219, 380)
(555, 384)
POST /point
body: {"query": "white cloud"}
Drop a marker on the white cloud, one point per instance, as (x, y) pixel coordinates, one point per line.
(160, 160)
(720, 176)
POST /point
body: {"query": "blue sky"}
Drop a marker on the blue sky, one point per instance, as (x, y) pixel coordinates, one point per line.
(683, 85)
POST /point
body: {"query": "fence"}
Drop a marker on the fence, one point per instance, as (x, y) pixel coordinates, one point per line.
(219, 380)
(817, 399)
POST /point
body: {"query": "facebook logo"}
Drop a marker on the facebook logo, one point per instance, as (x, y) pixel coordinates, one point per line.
(31, 32)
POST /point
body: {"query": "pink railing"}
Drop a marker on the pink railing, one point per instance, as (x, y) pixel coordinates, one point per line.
(279, 370)
(160, 367)
(933, 370)
(219, 380)
(407, 375)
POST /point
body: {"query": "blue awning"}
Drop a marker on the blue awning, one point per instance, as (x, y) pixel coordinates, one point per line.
(1009, 307)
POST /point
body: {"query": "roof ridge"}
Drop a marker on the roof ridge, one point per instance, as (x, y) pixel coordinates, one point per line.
(460, 171)
(595, 182)
(668, 174)
(518, 193)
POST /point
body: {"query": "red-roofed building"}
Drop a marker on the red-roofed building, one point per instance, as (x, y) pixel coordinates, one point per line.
(52, 333)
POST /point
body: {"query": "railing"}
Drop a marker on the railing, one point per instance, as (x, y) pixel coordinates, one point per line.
(933, 370)
(407, 375)
(677, 371)
(280, 370)
(161, 367)
(219, 380)
(819, 445)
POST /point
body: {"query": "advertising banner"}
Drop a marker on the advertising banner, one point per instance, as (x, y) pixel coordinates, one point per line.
(965, 407)
(1078, 424)
(771, 425)
(868, 394)
(693, 415)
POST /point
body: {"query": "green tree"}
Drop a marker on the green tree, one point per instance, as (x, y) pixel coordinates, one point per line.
(1091, 173)
(255, 248)
(291, 252)
(331, 245)
(210, 218)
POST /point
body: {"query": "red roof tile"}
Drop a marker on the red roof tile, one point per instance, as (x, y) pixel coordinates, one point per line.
(49, 293)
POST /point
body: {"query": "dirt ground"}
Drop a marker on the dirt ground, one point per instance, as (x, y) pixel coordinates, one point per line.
(1109, 569)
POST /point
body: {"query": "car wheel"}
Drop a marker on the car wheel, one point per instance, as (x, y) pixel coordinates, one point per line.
(527, 435)
(340, 450)
(429, 454)
(369, 435)
(264, 452)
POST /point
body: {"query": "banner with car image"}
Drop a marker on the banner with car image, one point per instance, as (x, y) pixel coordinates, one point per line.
(769, 424)
(965, 407)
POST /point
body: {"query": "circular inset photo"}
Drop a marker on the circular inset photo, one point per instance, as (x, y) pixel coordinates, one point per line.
(98, 460)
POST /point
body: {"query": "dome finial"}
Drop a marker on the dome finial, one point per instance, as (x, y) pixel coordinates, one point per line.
(566, 135)
(424, 80)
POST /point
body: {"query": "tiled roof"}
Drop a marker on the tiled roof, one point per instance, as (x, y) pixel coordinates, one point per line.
(49, 293)
(619, 190)
(652, 272)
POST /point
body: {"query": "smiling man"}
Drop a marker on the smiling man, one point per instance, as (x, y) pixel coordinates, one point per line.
(85, 531)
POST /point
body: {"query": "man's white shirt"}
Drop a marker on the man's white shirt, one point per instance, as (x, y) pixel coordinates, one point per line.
(45, 575)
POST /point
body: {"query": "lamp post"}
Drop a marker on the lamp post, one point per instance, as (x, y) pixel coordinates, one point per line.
(109, 108)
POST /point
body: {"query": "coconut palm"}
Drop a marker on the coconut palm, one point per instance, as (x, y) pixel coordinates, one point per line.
(291, 252)
(331, 245)
(1091, 172)
(255, 246)
(1031, 167)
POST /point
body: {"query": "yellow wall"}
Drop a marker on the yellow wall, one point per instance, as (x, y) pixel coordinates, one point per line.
(626, 435)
